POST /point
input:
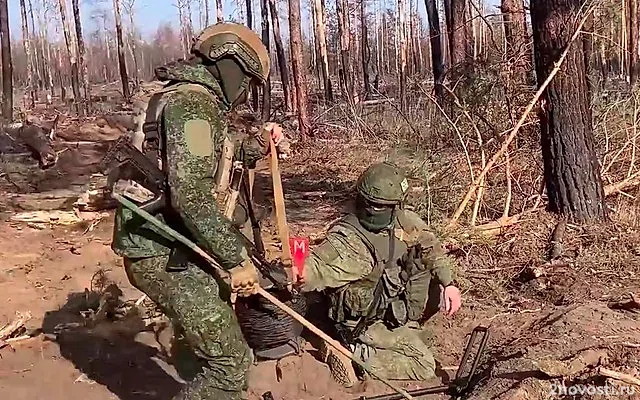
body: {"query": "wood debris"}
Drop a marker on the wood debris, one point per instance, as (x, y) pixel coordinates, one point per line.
(14, 331)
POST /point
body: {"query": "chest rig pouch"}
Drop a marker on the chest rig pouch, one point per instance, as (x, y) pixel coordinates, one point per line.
(357, 305)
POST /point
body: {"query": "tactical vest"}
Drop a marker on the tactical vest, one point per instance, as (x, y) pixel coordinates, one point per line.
(351, 302)
(153, 145)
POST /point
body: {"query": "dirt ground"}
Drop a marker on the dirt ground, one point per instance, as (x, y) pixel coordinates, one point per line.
(550, 322)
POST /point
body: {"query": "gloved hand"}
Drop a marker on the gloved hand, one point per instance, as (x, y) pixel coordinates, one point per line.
(244, 279)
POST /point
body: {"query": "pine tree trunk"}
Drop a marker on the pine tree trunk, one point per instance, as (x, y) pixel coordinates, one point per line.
(206, 13)
(219, 14)
(571, 169)
(71, 53)
(86, 90)
(437, 61)
(345, 53)
(7, 64)
(26, 43)
(254, 89)
(282, 60)
(47, 62)
(403, 54)
(134, 47)
(515, 33)
(297, 65)
(266, 90)
(633, 41)
(36, 58)
(365, 50)
(457, 33)
(121, 60)
(321, 38)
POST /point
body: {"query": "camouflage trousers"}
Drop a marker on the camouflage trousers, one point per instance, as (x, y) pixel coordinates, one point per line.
(191, 299)
(401, 353)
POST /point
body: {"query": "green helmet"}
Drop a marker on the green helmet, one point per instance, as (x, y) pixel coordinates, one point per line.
(383, 184)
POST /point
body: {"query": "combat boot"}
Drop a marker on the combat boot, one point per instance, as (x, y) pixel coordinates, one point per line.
(340, 366)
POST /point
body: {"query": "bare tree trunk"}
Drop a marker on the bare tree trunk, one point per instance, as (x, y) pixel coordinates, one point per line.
(189, 23)
(403, 55)
(254, 89)
(282, 60)
(47, 64)
(571, 169)
(345, 53)
(7, 64)
(26, 43)
(121, 60)
(266, 90)
(219, 14)
(71, 53)
(206, 13)
(515, 33)
(457, 33)
(36, 57)
(86, 89)
(295, 34)
(365, 50)
(437, 62)
(321, 38)
(633, 41)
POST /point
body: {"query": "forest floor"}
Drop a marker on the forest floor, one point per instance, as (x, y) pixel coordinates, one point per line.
(571, 320)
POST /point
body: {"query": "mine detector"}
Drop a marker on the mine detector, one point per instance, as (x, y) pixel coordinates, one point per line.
(271, 321)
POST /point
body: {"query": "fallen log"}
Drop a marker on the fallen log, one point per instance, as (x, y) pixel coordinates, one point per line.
(619, 376)
(14, 325)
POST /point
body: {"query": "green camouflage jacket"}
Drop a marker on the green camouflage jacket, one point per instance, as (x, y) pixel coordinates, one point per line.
(343, 265)
(194, 128)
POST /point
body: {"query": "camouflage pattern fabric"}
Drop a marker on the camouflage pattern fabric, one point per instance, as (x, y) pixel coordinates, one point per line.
(193, 130)
(192, 300)
(344, 259)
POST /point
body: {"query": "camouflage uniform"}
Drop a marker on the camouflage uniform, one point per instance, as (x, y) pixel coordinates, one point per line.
(192, 131)
(356, 255)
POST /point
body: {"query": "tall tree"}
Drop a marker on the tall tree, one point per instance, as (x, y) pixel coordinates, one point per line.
(346, 75)
(437, 61)
(403, 54)
(206, 13)
(633, 41)
(71, 54)
(7, 64)
(35, 61)
(457, 32)
(254, 89)
(515, 34)
(297, 66)
(122, 64)
(282, 60)
(129, 6)
(86, 89)
(219, 13)
(365, 48)
(266, 90)
(321, 38)
(26, 43)
(571, 169)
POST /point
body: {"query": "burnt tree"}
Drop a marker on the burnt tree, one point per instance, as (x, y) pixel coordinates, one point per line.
(71, 53)
(321, 39)
(282, 60)
(633, 41)
(437, 61)
(121, 59)
(26, 44)
(365, 49)
(86, 91)
(7, 64)
(571, 168)
(346, 75)
(515, 34)
(297, 66)
(457, 32)
(266, 90)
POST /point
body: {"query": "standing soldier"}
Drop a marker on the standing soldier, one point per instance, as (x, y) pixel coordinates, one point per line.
(383, 272)
(185, 135)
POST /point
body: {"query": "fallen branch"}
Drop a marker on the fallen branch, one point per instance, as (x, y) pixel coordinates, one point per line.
(626, 378)
(14, 325)
(515, 130)
(633, 180)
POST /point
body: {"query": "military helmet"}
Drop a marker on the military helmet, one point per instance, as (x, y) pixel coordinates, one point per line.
(383, 183)
(230, 39)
